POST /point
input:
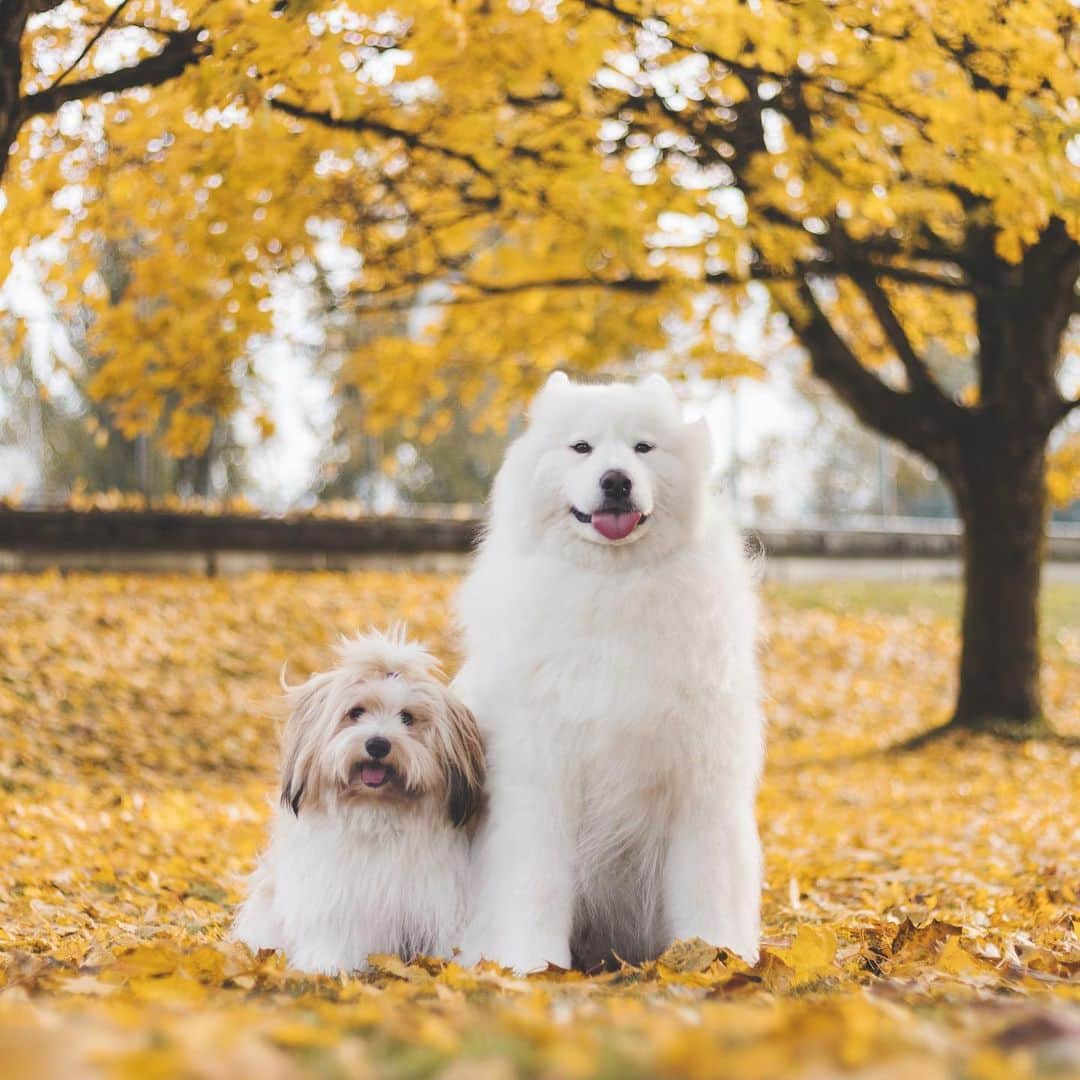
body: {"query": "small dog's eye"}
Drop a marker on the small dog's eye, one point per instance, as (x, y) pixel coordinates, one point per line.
(643, 447)
(408, 719)
(356, 712)
(581, 447)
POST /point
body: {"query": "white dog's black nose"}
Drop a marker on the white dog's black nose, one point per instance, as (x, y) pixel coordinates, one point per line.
(615, 484)
(377, 746)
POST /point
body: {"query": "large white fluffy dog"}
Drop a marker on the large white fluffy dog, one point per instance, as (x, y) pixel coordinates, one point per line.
(610, 623)
(381, 767)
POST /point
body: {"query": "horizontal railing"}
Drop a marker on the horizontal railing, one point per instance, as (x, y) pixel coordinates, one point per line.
(39, 533)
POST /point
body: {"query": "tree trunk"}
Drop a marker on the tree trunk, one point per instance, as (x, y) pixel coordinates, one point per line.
(1001, 493)
(13, 14)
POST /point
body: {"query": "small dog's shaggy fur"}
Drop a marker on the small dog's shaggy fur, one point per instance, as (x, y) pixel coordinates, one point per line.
(382, 769)
(610, 628)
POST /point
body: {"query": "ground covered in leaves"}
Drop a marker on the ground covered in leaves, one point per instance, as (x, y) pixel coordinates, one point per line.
(920, 908)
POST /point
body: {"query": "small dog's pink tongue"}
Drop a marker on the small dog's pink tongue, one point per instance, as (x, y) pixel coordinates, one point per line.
(372, 775)
(615, 526)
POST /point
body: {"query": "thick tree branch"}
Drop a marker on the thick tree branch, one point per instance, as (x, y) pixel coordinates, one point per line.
(411, 139)
(1065, 408)
(898, 415)
(182, 50)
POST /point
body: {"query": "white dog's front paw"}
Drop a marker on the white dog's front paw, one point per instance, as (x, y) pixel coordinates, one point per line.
(521, 956)
(748, 949)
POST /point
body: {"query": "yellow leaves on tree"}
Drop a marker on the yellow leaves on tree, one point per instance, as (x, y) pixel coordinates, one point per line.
(1063, 475)
(533, 187)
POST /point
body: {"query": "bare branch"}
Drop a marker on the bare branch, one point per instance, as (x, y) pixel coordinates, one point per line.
(905, 275)
(753, 73)
(182, 50)
(378, 127)
(467, 291)
(920, 379)
(962, 55)
(475, 292)
(101, 31)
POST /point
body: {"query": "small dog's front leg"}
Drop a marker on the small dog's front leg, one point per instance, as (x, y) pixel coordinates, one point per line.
(523, 885)
(257, 924)
(712, 876)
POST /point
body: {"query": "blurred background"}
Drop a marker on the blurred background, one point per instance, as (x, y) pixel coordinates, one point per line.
(316, 254)
(787, 453)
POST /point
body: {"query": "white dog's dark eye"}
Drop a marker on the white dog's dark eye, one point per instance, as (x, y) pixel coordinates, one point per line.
(581, 447)
(643, 447)
(356, 712)
(408, 719)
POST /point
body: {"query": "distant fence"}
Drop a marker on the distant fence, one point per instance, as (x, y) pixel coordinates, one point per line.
(200, 543)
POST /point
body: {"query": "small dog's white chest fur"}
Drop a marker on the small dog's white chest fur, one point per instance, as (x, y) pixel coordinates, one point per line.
(337, 887)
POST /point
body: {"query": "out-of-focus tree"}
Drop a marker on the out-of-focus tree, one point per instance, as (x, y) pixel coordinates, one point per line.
(588, 182)
(409, 461)
(853, 471)
(73, 446)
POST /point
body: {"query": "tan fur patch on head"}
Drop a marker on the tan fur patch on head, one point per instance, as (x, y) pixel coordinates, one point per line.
(387, 655)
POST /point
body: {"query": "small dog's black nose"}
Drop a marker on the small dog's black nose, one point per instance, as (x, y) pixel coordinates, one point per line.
(377, 746)
(615, 484)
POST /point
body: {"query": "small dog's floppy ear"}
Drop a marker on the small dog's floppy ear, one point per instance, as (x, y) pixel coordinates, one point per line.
(463, 759)
(300, 742)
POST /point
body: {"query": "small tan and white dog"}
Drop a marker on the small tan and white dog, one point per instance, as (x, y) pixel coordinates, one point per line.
(383, 769)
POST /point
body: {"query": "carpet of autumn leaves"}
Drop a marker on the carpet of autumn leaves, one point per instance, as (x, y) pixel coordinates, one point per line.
(920, 908)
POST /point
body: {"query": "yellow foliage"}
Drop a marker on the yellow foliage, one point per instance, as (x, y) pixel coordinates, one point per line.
(919, 910)
(518, 160)
(1063, 473)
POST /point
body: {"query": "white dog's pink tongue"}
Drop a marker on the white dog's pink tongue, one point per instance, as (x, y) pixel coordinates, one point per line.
(615, 526)
(372, 775)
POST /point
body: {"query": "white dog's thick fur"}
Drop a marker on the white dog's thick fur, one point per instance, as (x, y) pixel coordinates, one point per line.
(382, 768)
(610, 639)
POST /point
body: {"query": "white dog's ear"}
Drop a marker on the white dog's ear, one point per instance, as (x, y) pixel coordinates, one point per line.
(700, 438)
(463, 759)
(556, 381)
(300, 742)
(657, 384)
